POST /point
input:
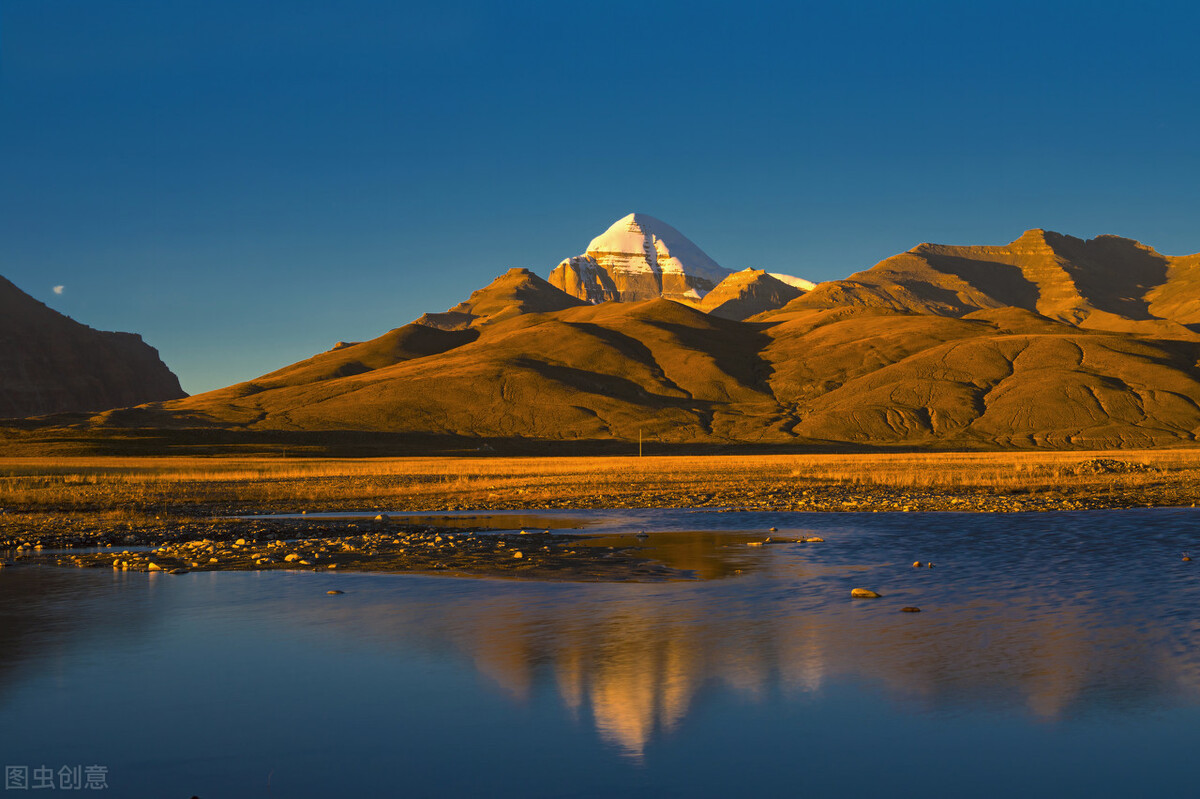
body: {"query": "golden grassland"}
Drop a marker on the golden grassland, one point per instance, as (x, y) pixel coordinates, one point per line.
(899, 481)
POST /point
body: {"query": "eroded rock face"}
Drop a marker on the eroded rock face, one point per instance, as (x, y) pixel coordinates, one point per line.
(49, 363)
(639, 258)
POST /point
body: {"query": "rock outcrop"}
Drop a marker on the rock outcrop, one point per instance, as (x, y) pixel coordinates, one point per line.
(50, 363)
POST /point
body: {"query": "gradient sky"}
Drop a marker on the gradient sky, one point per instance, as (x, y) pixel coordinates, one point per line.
(245, 183)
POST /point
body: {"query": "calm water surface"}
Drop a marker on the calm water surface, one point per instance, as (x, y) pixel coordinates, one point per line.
(1055, 655)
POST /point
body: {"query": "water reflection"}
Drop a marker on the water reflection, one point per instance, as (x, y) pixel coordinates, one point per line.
(1017, 618)
(1038, 617)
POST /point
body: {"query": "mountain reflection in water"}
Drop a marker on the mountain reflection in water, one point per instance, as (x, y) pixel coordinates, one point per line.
(1048, 618)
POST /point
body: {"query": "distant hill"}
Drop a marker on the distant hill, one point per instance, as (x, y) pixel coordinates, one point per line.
(50, 363)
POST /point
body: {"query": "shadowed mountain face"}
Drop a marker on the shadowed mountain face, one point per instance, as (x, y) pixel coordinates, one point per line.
(50, 363)
(1048, 342)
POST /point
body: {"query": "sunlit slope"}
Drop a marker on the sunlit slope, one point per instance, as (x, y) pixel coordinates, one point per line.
(1003, 377)
(746, 293)
(1105, 283)
(1050, 341)
(589, 372)
(997, 378)
(516, 292)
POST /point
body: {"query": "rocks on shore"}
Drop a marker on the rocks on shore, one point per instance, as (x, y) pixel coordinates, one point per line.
(266, 544)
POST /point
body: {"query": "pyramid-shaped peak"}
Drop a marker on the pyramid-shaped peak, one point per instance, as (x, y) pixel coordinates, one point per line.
(644, 236)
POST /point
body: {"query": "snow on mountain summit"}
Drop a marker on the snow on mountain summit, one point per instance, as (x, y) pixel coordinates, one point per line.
(639, 258)
(654, 243)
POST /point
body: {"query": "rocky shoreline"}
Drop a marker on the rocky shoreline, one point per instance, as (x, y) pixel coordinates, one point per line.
(189, 545)
(209, 536)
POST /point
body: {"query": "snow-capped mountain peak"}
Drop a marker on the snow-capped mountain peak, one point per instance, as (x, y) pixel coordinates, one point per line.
(639, 258)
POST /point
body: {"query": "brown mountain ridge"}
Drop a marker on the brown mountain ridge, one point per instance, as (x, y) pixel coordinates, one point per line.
(1050, 341)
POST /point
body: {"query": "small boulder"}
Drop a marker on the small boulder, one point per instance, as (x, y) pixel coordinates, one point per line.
(518, 555)
(864, 593)
(917, 564)
(910, 610)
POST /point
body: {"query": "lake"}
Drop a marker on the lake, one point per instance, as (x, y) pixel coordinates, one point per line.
(1054, 654)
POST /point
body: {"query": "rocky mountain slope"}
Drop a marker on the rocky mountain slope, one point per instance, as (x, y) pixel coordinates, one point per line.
(50, 363)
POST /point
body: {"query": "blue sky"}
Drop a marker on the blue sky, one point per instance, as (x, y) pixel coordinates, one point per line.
(246, 183)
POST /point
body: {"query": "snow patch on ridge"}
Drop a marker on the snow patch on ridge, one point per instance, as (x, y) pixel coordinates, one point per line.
(794, 282)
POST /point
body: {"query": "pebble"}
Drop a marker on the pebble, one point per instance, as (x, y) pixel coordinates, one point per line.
(916, 564)
(864, 593)
(518, 555)
(910, 610)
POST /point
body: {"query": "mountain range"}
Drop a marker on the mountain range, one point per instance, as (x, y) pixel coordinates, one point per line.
(1049, 341)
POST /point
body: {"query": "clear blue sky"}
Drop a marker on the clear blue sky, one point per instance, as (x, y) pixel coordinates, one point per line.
(245, 183)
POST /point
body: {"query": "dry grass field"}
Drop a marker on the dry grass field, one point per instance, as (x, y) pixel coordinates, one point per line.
(924, 481)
